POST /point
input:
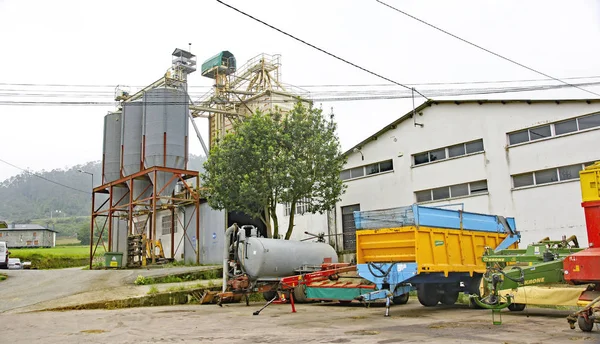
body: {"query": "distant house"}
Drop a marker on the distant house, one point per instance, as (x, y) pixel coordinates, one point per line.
(28, 235)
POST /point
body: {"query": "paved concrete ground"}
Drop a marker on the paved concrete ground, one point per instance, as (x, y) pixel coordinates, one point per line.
(313, 323)
(29, 290)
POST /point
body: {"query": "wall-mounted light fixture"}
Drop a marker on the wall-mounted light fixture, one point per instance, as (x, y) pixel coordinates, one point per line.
(357, 150)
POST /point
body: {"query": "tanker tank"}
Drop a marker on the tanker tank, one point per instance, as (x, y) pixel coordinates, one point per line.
(271, 259)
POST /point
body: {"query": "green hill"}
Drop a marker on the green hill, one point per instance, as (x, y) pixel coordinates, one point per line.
(27, 198)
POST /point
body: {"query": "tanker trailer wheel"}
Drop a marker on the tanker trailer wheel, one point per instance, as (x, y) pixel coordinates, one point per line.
(427, 294)
(585, 324)
(269, 295)
(516, 307)
(400, 300)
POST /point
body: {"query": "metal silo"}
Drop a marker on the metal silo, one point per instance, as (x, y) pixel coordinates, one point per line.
(165, 133)
(111, 150)
(131, 146)
(111, 156)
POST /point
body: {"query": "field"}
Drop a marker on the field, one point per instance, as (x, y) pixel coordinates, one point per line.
(56, 257)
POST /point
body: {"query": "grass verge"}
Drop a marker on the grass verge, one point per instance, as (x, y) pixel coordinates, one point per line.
(56, 257)
(190, 276)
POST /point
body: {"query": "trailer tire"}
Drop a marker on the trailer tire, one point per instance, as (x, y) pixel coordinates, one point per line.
(449, 298)
(516, 307)
(585, 324)
(300, 294)
(269, 295)
(428, 295)
(400, 300)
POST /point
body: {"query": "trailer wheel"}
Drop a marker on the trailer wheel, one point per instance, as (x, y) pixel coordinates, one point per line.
(516, 307)
(269, 295)
(449, 298)
(585, 324)
(428, 295)
(300, 294)
(400, 300)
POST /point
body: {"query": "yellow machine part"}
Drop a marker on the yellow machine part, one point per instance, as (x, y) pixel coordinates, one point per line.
(590, 183)
(433, 249)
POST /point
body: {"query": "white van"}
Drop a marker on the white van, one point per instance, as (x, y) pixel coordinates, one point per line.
(3, 255)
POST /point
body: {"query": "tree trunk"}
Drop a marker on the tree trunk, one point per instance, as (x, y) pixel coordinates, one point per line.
(267, 221)
(275, 220)
(290, 229)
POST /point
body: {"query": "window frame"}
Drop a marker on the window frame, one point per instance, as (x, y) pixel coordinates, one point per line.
(446, 150)
(553, 132)
(365, 169)
(432, 198)
(558, 175)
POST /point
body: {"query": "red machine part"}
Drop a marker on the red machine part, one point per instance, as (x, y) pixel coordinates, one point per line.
(592, 222)
(582, 267)
(327, 270)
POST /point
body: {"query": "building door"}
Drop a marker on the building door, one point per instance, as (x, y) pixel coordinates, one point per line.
(349, 227)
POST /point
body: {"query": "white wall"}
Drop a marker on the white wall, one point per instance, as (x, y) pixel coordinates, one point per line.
(546, 210)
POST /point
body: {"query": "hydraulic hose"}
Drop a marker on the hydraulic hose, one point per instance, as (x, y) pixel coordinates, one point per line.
(384, 274)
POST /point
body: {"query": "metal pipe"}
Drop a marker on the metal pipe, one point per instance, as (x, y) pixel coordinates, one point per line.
(228, 233)
(199, 135)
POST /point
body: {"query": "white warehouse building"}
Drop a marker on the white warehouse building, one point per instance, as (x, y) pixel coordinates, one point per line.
(516, 158)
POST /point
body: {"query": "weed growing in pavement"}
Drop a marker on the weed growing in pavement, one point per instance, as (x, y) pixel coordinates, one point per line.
(153, 290)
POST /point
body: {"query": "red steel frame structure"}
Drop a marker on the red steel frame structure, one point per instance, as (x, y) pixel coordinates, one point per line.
(119, 208)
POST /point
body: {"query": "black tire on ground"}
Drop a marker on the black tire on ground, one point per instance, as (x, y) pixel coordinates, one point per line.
(300, 294)
(449, 298)
(269, 295)
(428, 295)
(516, 307)
(586, 325)
(400, 300)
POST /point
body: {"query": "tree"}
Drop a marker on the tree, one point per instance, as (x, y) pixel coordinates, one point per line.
(273, 158)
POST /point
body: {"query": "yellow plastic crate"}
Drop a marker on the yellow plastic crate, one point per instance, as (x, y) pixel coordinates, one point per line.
(590, 183)
(433, 249)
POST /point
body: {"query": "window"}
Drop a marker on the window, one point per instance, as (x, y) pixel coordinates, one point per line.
(459, 190)
(302, 206)
(546, 176)
(441, 193)
(372, 169)
(478, 187)
(452, 191)
(560, 128)
(378, 167)
(569, 172)
(539, 133)
(565, 127)
(550, 175)
(456, 150)
(448, 152)
(524, 179)
(518, 137)
(423, 196)
(474, 147)
(589, 121)
(167, 222)
(438, 154)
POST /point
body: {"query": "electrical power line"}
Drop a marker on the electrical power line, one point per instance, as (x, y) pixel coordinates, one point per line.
(482, 48)
(326, 96)
(322, 50)
(44, 178)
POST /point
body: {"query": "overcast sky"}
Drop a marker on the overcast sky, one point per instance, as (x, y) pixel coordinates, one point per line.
(130, 43)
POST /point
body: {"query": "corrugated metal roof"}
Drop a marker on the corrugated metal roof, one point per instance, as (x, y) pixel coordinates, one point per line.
(458, 102)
